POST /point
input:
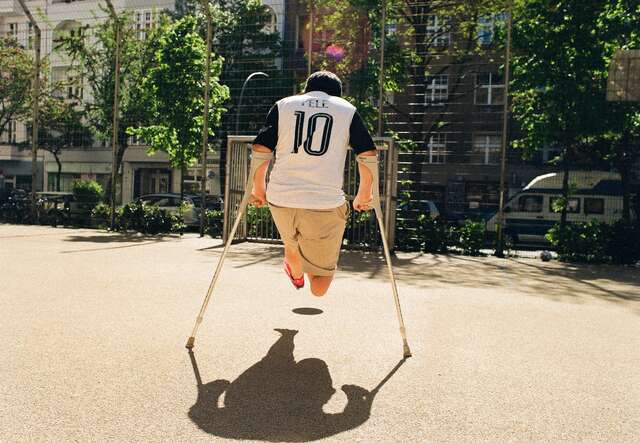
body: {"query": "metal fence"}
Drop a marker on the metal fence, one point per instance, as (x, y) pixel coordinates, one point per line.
(362, 231)
(434, 87)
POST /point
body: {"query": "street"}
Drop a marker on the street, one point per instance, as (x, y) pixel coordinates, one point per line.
(94, 325)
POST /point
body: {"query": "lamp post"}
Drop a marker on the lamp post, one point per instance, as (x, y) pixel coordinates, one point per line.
(35, 109)
(116, 96)
(205, 120)
(505, 138)
(244, 85)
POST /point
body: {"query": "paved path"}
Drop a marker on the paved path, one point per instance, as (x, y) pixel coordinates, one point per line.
(93, 326)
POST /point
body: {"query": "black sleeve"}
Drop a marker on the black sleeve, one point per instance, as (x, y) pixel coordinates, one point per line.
(268, 134)
(359, 137)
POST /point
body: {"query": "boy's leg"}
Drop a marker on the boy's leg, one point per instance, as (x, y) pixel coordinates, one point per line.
(320, 284)
(284, 219)
(293, 258)
(319, 240)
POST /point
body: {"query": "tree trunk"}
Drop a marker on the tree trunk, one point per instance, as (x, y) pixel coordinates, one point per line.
(565, 196)
(59, 173)
(625, 166)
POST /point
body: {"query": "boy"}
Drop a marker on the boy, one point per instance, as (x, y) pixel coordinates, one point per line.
(310, 134)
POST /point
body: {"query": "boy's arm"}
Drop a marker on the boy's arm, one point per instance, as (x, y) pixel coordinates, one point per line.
(259, 191)
(266, 141)
(362, 144)
(365, 189)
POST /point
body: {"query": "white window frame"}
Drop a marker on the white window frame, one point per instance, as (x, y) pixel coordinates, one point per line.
(434, 94)
(272, 26)
(10, 132)
(437, 146)
(145, 19)
(486, 30)
(436, 31)
(487, 146)
(30, 36)
(491, 86)
(12, 30)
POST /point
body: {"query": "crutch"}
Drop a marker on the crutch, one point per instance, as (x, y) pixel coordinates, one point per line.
(257, 159)
(371, 164)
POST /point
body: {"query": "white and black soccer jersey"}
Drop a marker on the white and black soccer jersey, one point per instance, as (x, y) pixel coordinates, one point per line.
(310, 134)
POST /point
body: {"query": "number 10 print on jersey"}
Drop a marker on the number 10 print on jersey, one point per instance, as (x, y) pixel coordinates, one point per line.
(312, 125)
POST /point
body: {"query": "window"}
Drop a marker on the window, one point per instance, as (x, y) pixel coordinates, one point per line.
(486, 149)
(67, 85)
(437, 147)
(593, 206)
(437, 32)
(12, 30)
(66, 29)
(530, 203)
(487, 27)
(10, 131)
(272, 25)
(437, 90)
(489, 89)
(302, 25)
(30, 37)
(573, 205)
(144, 22)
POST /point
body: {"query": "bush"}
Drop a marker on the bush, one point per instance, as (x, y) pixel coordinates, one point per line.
(147, 219)
(214, 220)
(623, 243)
(434, 235)
(472, 237)
(87, 191)
(100, 214)
(597, 242)
(580, 242)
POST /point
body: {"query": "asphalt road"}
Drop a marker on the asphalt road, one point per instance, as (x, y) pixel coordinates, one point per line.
(93, 327)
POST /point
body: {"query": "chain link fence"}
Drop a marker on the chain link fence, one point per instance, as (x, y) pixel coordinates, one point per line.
(428, 75)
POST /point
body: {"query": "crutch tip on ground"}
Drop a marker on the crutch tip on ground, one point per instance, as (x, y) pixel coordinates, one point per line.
(371, 163)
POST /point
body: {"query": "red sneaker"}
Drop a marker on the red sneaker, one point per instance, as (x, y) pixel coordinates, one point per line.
(298, 283)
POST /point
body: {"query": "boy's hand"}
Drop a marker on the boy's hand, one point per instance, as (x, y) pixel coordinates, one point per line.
(258, 198)
(361, 203)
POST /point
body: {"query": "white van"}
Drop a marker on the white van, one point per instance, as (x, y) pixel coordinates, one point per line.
(529, 214)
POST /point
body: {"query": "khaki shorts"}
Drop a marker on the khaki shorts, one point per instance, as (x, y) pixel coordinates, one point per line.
(316, 233)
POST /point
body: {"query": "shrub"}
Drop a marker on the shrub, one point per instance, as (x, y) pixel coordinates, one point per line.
(472, 237)
(100, 214)
(580, 242)
(434, 234)
(214, 220)
(623, 243)
(147, 219)
(87, 191)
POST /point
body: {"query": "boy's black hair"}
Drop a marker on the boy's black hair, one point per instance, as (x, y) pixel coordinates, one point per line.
(324, 81)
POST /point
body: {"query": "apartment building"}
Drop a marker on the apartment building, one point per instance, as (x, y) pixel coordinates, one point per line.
(140, 173)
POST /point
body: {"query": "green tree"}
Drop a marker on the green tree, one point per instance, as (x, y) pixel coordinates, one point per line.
(60, 126)
(16, 72)
(92, 54)
(562, 54)
(243, 38)
(174, 90)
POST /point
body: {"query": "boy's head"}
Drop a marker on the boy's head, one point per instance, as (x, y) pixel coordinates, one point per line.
(324, 81)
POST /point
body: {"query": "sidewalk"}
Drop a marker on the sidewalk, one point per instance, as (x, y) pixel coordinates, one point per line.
(93, 329)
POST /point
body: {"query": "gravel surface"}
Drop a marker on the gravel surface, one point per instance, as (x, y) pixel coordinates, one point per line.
(93, 327)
